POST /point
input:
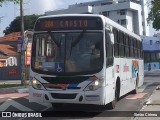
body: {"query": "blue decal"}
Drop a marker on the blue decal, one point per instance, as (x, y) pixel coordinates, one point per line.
(48, 65)
(73, 85)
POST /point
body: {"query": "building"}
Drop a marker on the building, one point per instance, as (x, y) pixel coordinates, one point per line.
(10, 61)
(151, 49)
(131, 14)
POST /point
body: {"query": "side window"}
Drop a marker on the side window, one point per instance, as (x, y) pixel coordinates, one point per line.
(134, 48)
(126, 46)
(116, 44)
(121, 43)
(131, 47)
(109, 49)
(138, 50)
(141, 51)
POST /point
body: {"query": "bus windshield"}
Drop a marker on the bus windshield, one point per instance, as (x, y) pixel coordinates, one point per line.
(64, 52)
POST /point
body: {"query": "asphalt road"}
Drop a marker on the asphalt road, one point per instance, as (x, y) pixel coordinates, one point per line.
(125, 107)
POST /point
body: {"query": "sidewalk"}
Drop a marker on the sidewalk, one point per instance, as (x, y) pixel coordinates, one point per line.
(151, 108)
(10, 82)
(19, 89)
(151, 71)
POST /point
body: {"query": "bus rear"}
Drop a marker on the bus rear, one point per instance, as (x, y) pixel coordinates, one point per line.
(67, 63)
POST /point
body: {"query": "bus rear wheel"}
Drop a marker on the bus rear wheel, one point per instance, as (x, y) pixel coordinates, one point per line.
(136, 87)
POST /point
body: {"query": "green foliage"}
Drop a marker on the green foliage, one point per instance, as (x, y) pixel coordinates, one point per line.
(15, 1)
(9, 85)
(154, 14)
(15, 26)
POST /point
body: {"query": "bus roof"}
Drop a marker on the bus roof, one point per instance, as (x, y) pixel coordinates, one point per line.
(105, 20)
(119, 27)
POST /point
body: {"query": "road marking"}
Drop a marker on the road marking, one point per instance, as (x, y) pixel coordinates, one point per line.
(12, 95)
(9, 99)
(15, 104)
(136, 96)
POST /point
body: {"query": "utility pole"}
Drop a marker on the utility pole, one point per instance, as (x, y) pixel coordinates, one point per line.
(23, 78)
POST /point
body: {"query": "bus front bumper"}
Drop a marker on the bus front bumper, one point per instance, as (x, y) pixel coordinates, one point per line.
(67, 96)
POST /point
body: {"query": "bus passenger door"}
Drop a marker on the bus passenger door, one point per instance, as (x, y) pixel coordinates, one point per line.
(110, 85)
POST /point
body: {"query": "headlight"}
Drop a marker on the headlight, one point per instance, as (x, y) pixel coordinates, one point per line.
(37, 85)
(94, 85)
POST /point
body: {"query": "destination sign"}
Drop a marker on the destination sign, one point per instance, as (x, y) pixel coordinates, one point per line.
(69, 23)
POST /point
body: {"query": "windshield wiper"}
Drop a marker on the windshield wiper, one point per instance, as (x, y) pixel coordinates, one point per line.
(76, 41)
(54, 39)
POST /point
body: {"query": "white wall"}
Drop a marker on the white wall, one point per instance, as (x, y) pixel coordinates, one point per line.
(130, 21)
(134, 17)
(145, 16)
(71, 10)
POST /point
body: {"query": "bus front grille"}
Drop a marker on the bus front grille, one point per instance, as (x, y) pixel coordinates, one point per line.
(63, 96)
(61, 86)
(66, 79)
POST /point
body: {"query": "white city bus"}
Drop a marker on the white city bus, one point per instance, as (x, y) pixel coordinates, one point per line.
(83, 59)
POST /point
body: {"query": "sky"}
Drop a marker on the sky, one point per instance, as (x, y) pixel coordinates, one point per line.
(9, 10)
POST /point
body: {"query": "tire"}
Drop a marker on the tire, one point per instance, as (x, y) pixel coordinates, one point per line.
(112, 104)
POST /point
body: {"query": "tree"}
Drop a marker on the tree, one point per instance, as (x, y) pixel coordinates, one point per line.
(154, 14)
(15, 1)
(15, 25)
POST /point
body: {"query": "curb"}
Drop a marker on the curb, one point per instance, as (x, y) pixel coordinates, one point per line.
(19, 89)
(23, 90)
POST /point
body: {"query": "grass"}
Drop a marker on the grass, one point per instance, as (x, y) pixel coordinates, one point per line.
(9, 85)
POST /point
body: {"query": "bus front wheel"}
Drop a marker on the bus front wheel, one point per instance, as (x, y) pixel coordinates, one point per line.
(112, 104)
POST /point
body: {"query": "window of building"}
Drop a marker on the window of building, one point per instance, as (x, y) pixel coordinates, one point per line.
(118, 21)
(105, 13)
(153, 56)
(123, 22)
(151, 42)
(108, 3)
(122, 12)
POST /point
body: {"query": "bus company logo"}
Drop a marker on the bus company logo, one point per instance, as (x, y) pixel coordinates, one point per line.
(21, 115)
(37, 94)
(6, 114)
